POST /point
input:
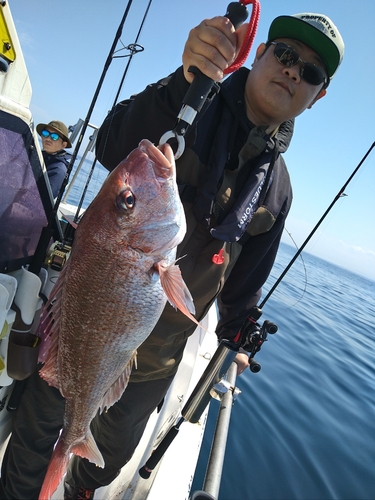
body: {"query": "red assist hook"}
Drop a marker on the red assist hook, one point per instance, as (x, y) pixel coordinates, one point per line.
(249, 37)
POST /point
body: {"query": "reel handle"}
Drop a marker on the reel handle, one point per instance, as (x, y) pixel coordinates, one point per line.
(254, 365)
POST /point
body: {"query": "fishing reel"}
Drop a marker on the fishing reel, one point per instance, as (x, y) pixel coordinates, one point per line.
(59, 252)
(252, 336)
(57, 255)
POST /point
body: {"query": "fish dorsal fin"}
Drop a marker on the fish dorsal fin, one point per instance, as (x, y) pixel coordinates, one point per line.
(49, 370)
(50, 318)
(49, 330)
(176, 290)
(116, 390)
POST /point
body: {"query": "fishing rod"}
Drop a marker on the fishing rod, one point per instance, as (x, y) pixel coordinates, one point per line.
(133, 48)
(251, 325)
(48, 231)
(250, 338)
(339, 195)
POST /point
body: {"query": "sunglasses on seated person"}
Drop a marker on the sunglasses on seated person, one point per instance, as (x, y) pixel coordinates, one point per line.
(54, 135)
(287, 56)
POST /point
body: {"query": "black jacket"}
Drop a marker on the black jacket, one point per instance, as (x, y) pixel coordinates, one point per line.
(56, 165)
(212, 149)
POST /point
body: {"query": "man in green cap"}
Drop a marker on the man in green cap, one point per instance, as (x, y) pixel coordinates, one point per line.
(240, 135)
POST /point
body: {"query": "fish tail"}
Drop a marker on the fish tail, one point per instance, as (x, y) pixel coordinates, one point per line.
(55, 472)
(89, 449)
(60, 459)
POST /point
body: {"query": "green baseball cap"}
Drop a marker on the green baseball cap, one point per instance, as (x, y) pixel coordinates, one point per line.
(315, 30)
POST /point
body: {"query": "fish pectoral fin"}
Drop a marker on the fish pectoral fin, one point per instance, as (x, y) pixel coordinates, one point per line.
(176, 290)
(89, 449)
(116, 390)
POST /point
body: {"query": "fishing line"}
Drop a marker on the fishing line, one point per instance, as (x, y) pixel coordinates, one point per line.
(339, 195)
(327, 222)
(133, 51)
(305, 272)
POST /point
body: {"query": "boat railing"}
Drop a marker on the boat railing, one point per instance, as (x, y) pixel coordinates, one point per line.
(75, 130)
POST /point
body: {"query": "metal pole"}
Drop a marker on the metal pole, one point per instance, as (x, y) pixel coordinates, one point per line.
(216, 460)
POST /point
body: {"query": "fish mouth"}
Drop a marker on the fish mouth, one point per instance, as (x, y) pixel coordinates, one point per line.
(167, 151)
(161, 156)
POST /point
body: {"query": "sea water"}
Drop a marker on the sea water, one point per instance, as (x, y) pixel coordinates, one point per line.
(81, 190)
(303, 428)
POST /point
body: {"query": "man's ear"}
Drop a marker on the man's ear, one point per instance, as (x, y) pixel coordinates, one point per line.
(321, 94)
(64, 144)
(259, 52)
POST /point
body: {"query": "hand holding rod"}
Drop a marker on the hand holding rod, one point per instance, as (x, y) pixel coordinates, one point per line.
(199, 89)
(201, 85)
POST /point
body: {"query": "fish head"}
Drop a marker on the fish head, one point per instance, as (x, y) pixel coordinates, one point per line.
(141, 196)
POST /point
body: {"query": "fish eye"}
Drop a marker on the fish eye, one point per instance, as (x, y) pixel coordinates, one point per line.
(126, 200)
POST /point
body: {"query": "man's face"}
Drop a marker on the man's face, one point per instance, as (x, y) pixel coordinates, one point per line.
(49, 145)
(275, 93)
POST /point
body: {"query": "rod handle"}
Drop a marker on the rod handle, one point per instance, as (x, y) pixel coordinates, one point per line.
(146, 470)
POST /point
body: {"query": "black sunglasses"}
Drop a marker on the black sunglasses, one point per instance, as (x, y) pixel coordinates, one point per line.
(46, 133)
(287, 56)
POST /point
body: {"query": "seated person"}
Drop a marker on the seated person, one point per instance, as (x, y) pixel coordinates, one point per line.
(54, 140)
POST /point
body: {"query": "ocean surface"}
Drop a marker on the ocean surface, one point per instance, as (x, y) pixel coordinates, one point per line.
(303, 428)
(78, 179)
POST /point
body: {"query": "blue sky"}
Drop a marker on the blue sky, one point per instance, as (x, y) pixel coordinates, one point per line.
(66, 44)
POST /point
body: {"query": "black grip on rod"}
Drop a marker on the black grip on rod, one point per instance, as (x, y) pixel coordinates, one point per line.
(158, 453)
(15, 397)
(201, 85)
(236, 13)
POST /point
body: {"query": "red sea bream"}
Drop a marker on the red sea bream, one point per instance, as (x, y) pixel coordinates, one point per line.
(110, 295)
